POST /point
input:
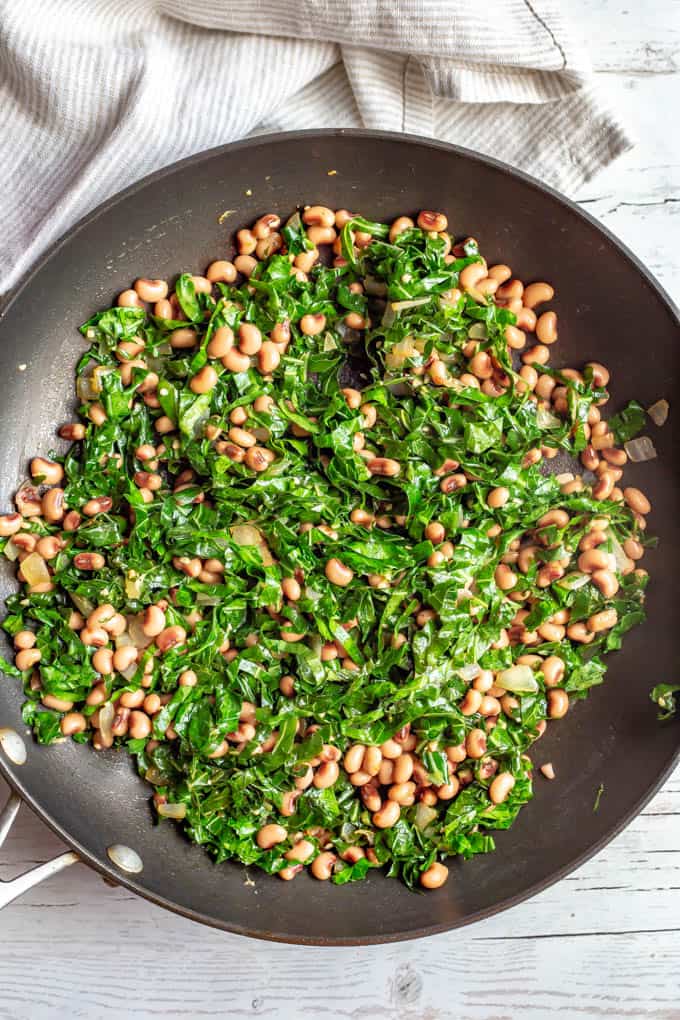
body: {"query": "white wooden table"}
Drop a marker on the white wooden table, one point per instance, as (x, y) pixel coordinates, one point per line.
(603, 942)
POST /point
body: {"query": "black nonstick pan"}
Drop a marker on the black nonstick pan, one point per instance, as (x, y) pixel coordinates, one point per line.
(609, 308)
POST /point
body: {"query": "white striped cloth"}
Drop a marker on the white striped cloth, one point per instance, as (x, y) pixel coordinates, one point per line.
(96, 93)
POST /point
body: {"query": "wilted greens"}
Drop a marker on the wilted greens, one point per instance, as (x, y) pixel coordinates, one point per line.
(378, 434)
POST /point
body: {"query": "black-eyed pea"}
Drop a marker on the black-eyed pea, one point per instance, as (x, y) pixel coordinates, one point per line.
(322, 865)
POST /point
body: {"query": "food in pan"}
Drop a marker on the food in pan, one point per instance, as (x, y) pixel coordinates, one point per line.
(307, 558)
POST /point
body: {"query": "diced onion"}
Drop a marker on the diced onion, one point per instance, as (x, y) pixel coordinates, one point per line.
(83, 605)
(106, 714)
(519, 679)
(622, 561)
(154, 776)
(477, 331)
(640, 449)
(573, 580)
(246, 534)
(658, 412)
(176, 811)
(13, 745)
(399, 353)
(401, 306)
(134, 584)
(424, 816)
(89, 384)
(125, 858)
(34, 569)
(203, 599)
(135, 635)
(545, 419)
(469, 672)
(11, 551)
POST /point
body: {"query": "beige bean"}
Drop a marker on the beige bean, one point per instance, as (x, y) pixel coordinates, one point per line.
(403, 768)
(269, 835)
(170, 638)
(498, 497)
(390, 749)
(504, 577)
(88, 561)
(27, 658)
(637, 500)
(73, 722)
(537, 294)
(435, 876)
(433, 222)
(318, 216)
(221, 271)
(401, 224)
(47, 471)
(600, 374)
(58, 704)
(242, 437)
(139, 725)
(606, 581)
(245, 264)
(546, 328)
(220, 342)
(258, 458)
(372, 760)
(402, 793)
(337, 573)
(250, 338)
(475, 743)
(52, 505)
(124, 657)
(235, 361)
(326, 775)
(322, 865)
(129, 299)
(354, 758)
(24, 639)
(384, 466)
(204, 381)
(321, 235)
(291, 589)
(501, 787)
(480, 365)
(268, 358)
(387, 816)
(312, 325)
(10, 524)
(183, 339)
(133, 699)
(471, 702)
(593, 559)
(604, 620)
(579, 632)
(300, 852)
(558, 703)
(151, 290)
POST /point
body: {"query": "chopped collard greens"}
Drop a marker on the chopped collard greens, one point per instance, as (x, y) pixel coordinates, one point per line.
(667, 699)
(304, 558)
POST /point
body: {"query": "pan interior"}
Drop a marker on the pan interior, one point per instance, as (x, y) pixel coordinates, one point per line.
(608, 309)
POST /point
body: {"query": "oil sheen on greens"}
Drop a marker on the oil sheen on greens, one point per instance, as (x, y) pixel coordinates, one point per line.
(318, 479)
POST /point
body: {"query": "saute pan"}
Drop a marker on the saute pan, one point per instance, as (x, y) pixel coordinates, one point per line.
(609, 309)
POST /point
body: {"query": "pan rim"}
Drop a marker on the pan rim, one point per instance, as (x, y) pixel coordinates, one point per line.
(14, 780)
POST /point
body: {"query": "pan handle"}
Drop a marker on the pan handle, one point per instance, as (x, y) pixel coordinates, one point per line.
(9, 890)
